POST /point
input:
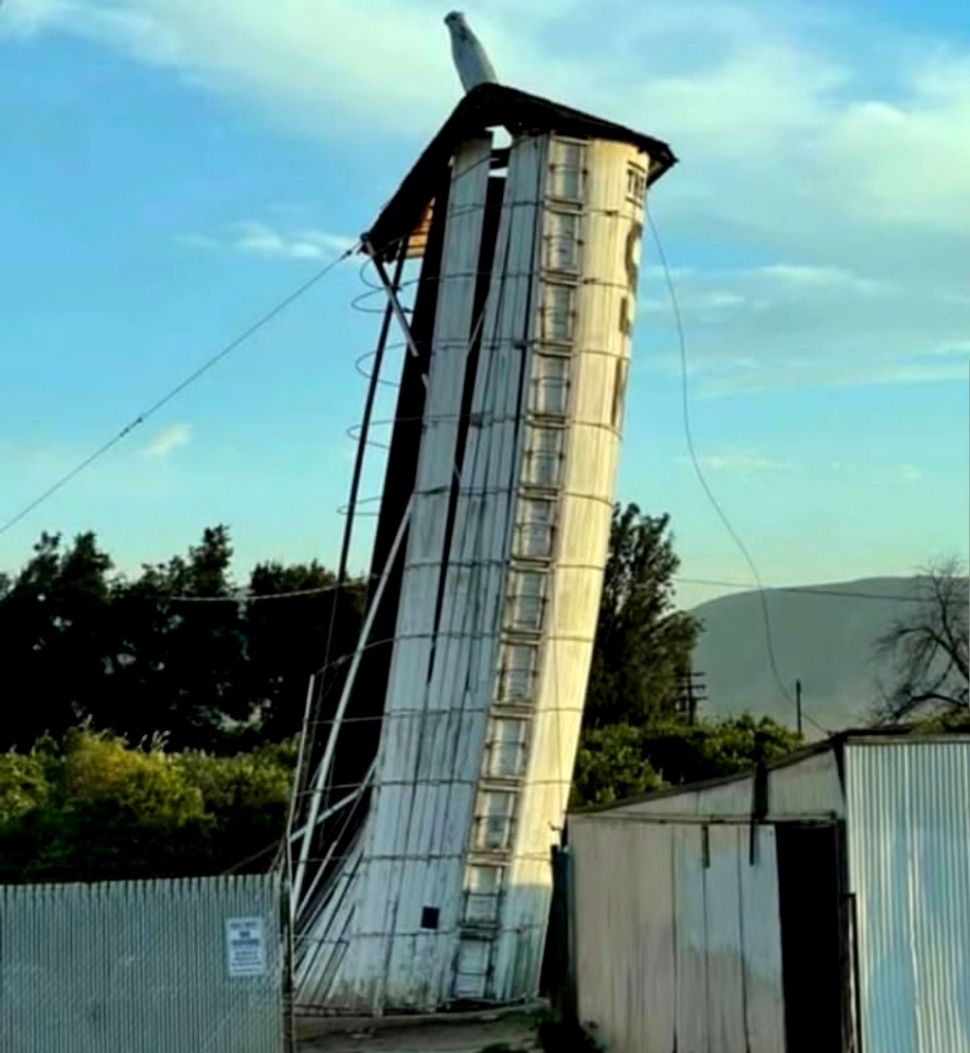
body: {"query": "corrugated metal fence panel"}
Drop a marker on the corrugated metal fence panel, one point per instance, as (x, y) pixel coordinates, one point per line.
(909, 863)
(138, 967)
(678, 942)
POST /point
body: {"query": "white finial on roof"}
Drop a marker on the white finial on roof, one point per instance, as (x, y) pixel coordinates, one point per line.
(470, 58)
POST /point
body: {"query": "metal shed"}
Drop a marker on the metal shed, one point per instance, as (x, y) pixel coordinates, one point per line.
(822, 903)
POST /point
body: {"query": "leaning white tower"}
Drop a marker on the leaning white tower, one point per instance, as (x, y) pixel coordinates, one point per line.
(421, 856)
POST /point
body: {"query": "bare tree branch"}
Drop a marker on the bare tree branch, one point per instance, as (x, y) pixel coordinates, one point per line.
(927, 651)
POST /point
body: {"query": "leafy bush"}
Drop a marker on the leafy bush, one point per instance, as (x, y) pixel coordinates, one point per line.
(623, 760)
(90, 807)
(23, 787)
(611, 766)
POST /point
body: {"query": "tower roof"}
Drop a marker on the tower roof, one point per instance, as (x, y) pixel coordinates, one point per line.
(490, 106)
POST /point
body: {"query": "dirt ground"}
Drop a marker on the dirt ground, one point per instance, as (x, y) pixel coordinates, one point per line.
(515, 1032)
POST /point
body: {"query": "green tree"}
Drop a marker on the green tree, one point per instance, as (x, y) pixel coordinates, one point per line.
(633, 740)
(56, 634)
(643, 643)
(623, 760)
(178, 649)
(714, 747)
(286, 640)
(179, 667)
(611, 766)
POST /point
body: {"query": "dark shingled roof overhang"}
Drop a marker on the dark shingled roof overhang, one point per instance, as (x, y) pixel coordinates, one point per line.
(490, 106)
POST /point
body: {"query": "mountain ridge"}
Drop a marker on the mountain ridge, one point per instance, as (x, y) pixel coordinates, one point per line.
(822, 635)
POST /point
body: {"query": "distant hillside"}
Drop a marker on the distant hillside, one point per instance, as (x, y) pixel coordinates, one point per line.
(825, 641)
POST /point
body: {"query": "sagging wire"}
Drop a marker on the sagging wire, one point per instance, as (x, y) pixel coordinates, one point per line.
(247, 599)
(320, 690)
(470, 610)
(702, 479)
(177, 390)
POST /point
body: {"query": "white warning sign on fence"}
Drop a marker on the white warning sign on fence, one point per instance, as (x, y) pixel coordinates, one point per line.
(245, 947)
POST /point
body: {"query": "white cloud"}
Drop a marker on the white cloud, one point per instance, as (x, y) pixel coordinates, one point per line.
(815, 277)
(959, 348)
(319, 64)
(908, 473)
(828, 148)
(825, 372)
(263, 240)
(725, 299)
(167, 440)
(197, 241)
(252, 236)
(906, 162)
(738, 462)
(790, 325)
(24, 17)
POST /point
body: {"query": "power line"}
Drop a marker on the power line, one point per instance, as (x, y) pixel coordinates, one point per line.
(176, 391)
(252, 597)
(811, 590)
(247, 597)
(688, 433)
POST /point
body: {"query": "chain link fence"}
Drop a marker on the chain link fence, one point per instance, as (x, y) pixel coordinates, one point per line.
(190, 965)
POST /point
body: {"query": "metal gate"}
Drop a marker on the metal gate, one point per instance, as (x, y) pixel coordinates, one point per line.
(189, 965)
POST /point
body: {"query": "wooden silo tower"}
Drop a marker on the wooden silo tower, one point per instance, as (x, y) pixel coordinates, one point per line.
(421, 851)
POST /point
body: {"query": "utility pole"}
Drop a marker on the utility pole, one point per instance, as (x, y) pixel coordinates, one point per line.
(692, 691)
(798, 705)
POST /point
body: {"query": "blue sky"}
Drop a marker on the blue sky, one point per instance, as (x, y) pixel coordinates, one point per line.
(172, 169)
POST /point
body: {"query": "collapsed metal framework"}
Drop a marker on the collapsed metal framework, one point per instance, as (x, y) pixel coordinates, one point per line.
(421, 826)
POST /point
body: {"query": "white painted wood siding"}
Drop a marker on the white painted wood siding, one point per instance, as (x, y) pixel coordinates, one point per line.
(678, 947)
(609, 222)
(392, 864)
(483, 709)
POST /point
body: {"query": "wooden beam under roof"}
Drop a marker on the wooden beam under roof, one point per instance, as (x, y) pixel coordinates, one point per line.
(491, 106)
